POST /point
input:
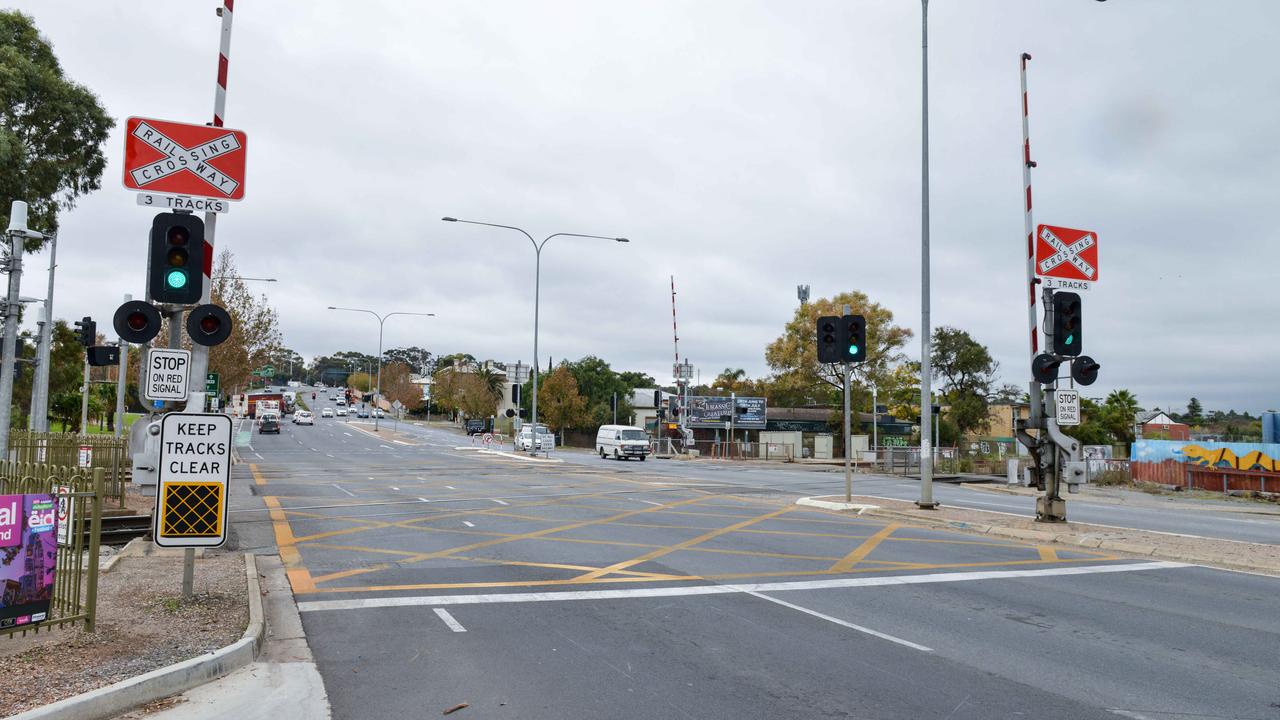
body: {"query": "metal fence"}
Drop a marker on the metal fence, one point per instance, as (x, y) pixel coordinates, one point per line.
(65, 450)
(75, 587)
(723, 450)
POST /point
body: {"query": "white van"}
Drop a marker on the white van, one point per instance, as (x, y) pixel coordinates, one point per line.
(622, 441)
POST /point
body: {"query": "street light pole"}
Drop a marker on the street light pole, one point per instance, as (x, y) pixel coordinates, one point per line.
(926, 345)
(382, 319)
(537, 287)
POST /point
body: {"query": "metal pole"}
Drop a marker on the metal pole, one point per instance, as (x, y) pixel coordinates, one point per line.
(40, 387)
(1027, 227)
(733, 416)
(377, 393)
(848, 451)
(926, 341)
(84, 399)
(875, 422)
(10, 331)
(200, 353)
(537, 286)
(121, 378)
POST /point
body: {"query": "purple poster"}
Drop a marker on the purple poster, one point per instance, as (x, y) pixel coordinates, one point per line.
(28, 555)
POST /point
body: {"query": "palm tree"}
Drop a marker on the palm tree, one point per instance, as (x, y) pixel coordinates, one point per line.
(1122, 407)
(731, 380)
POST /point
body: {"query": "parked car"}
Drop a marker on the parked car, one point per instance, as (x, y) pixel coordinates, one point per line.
(342, 412)
(327, 412)
(475, 426)
(304, 417)
(621, 442)
(270, 423)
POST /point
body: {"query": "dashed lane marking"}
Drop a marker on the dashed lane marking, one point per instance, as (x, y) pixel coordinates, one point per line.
(449, 620)
(499, 501)
(468, 523)
(348, 492)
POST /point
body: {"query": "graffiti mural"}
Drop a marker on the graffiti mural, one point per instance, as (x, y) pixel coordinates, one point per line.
(1238, 456)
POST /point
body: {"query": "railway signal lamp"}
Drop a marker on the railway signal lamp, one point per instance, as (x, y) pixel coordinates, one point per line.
(88, 331)
(136, 322)
(1067, 317)
(829, 339)
(208, 325)
(1044, 368)
(1084, 370)
(853, 341)
(176, 267)
(104, 355)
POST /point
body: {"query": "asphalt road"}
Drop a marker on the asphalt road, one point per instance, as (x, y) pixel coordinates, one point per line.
(429, 577)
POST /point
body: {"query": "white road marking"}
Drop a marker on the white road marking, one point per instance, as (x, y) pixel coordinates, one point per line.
(650, 502)
(386, 446)
(393, 487)
(468, 523)
(403, 601)
(259, 456)
(500, 502)
(327, 455)
(344, 490)
(424, 500)
(450, 487)
(344, 432)
(454, 625)
(838, 621)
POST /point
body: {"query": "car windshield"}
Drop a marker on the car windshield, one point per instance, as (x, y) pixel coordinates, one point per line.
(634, 435)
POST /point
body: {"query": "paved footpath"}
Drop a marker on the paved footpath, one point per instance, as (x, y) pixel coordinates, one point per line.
(429, 577)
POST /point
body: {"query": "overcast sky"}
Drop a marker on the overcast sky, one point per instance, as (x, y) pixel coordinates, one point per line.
(744, 147)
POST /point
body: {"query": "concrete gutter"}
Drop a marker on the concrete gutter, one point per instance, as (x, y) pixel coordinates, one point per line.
(125, 695)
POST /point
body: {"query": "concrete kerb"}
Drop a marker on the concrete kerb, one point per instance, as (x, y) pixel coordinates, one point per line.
(125, 695)
(1086, 540)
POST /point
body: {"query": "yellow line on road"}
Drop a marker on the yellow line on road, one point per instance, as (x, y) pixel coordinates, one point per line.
(1047, 553)
(257, 476)
(299, 576)
(862, 551)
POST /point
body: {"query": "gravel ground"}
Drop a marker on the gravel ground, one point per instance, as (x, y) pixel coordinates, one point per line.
(143, 624)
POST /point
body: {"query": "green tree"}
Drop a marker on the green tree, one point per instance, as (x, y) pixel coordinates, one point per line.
(793, 356)
(560, 405)
(967, 373)
(598, 384)
(1122, 410)
(51, 129)
(635, 380)
(1195, 413)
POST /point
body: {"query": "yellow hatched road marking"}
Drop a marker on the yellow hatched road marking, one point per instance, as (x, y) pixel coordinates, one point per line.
(862, 551)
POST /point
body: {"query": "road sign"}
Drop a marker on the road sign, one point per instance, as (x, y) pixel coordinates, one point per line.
(397, 405)
(161, 156)
(1066, 258)
(1066, 405)
(212, 383)
(85, 456)
(167, 372)
(180, 202)
(193, 473)
(66, 511)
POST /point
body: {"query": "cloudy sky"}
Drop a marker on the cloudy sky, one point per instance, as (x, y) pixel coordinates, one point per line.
(744, 147)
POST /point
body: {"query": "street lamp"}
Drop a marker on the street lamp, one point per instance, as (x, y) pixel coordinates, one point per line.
(926, 341)
(382, 319)
(537, 282)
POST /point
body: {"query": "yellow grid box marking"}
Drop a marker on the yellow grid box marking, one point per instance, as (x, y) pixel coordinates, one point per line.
(191, 509)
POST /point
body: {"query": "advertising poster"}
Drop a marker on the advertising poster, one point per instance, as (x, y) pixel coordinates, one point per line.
(28, 556)
(709, 412)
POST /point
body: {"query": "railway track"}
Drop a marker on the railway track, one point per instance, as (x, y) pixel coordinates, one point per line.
(120, 529)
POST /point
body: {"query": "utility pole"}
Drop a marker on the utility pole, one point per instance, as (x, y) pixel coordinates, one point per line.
(17, 234)
(926, 500)
(39, 420)
(848, 451)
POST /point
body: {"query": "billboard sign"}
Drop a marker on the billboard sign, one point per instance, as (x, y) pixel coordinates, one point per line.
(28, 557)
(709, 412)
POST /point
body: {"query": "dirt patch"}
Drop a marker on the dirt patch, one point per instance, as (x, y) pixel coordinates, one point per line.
(1231, 554)
(143, 624)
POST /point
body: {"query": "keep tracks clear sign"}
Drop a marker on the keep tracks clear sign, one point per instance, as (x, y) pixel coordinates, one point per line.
(195, 467)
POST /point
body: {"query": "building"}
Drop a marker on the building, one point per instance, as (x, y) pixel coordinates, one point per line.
(1157, 425)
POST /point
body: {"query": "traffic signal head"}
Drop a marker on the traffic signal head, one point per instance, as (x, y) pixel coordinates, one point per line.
(103, 355)
(176, 264)
(1067, 314)
(136, 322)
(515, 393)
(853, 345)
(88, 331)
(208, 325)
(829, 339)
(1084, 370)
(1044, 368)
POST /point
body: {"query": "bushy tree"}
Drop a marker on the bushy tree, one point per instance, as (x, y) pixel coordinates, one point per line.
(560, 405)
(967, 373)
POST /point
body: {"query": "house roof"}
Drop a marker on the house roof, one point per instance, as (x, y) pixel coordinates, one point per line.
(1156, 417)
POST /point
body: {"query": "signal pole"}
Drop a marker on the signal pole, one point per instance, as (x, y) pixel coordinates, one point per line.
(17, 234)
(848, 451)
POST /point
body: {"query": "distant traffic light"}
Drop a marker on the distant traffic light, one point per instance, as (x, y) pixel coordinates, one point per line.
(853, 343)
(136, 322)
(515, 393)
(103, 355)
(208, 325)
(176, 267)
(88, 331)
(1084, 370)
(1067, 330)
(829, 339)
(1044, 368)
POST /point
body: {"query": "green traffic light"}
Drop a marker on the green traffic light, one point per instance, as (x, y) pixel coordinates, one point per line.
(1071, 339)
(853, 349)
(176, 279)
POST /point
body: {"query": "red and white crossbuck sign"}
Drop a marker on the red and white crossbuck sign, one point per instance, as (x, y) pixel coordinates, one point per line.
(1067, 254)
(184, 159)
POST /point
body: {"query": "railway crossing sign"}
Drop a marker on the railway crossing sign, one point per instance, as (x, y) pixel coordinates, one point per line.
(1067, 259)
(193, 474)
(167, 373)
(161, 156)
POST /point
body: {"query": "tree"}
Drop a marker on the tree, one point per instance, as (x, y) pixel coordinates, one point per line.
(1122, 408)
(793, 356)
(635, 380)
(598, 384)
(475, 397)
(731, 381)
(51, 129)
(1195, 413)
(967, 372)
(397, 384)
(255, 329)
(414, 357)
(560, 405)
(446, 389)
(361, 381)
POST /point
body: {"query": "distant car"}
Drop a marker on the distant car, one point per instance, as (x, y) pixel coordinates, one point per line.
(475, 427)
(341, 401)
(342, 412)
(269, 424)
(327, 412)
(362, 413)
(377, 412)
(304, 417)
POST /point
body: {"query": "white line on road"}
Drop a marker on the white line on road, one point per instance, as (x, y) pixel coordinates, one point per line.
(500, 502)
(387, 447)
(327, 455)
(454, 625)
(344, 432)
(424, 500)
(449, 487)
(468, 523)
(838, 621)
(365, 603)
(393, 487)
(650, 502)
(259, 456)
(344, 490)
